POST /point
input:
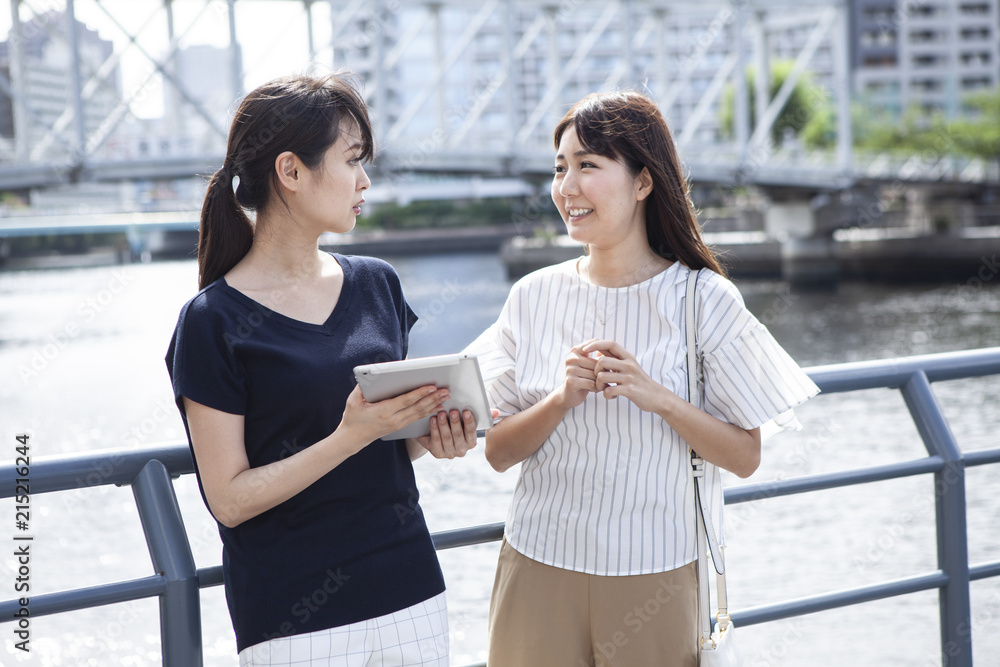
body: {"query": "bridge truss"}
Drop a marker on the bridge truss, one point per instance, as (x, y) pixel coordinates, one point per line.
(459, 87)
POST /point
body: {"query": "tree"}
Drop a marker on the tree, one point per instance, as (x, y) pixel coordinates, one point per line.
(979, 134)
(808, 104)
(976, 135)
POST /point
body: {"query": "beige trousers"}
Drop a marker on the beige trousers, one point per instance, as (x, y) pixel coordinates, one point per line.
(543, 616)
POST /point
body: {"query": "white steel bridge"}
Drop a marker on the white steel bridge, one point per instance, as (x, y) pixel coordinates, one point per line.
(140, 90)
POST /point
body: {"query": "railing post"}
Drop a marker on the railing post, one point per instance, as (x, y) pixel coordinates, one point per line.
(952, 535)
(180, 604)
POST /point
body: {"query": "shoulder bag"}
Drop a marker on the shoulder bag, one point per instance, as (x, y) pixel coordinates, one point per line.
(718, 648)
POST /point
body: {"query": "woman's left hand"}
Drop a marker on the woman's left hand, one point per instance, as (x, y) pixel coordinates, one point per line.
(452, 434)
(619, 374)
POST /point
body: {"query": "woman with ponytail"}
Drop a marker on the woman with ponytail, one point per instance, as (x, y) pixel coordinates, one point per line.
(587, 365)
(320, 565)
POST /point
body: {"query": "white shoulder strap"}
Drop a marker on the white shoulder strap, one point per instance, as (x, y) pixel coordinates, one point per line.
(705, 528)
(694, 398)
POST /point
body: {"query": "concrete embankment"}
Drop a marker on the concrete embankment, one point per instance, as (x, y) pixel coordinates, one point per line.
(870, 254)
(420, 241)
(896, 255)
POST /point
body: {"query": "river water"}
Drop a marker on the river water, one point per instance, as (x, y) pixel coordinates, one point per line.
(81, 358)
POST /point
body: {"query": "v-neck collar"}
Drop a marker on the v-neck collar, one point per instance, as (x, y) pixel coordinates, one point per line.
(329, 325)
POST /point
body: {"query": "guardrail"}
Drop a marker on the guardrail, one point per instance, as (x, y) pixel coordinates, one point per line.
(177, 581)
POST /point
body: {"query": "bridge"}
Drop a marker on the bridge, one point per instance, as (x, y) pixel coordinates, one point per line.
(455, 86)
(463, 97)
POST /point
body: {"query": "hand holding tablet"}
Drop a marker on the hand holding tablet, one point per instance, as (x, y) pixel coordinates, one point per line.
(459, 373)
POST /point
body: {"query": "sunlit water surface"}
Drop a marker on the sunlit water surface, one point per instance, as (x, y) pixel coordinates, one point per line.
(81, 357)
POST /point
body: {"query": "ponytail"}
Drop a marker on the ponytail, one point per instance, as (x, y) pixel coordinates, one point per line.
(226, 232)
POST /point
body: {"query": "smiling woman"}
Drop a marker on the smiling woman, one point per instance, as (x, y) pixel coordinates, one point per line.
(587, 366)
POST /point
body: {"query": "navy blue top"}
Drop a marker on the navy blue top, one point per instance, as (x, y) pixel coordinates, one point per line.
(353, 545)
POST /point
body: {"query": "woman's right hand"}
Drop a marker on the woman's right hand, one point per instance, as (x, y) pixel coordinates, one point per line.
(580, 380)
(367, 422)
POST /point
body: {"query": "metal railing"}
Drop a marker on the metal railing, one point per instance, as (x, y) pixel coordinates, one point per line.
(177, 580)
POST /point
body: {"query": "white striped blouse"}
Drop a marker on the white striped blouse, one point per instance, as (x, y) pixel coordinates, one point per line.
(609, 492)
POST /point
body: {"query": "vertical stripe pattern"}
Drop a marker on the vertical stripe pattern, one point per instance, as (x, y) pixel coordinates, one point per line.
(609, 492)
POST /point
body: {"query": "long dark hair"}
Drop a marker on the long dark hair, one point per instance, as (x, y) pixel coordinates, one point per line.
(301, 114)
(628, 127)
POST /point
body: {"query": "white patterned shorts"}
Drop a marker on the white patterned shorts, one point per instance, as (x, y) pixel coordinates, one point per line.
(415, 636)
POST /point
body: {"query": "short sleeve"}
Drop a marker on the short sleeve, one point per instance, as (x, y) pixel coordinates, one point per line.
(407, 318)
(749, 379)
(202, 360)
(496, 351)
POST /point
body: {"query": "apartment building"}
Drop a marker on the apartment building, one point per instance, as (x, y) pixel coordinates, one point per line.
(673, 52)
(928, 55)
(44, 123)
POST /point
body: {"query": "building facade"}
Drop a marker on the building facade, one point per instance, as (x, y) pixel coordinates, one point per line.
(559, 53)
(924, 55)
(38, 62)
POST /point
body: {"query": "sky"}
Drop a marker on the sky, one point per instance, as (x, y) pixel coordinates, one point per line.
(272, 33)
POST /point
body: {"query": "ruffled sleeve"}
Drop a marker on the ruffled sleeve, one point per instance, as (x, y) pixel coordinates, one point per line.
(749, 379)
(496, 351)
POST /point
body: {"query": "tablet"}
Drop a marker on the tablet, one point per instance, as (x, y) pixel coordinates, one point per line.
(458, 372)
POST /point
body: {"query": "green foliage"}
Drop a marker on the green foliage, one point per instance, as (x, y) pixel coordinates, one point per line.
(820, 130)
(977, 135)
(807, 108)
(914, 132)
(439, 213)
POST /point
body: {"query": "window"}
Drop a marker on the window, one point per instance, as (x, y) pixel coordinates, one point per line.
(926, 85)
(878, 14)
(926, 36)
(928, 10)
(882, 87)
(976, 83)
(974, 9)
(978, 33)
(976, 58)
(930, 60)
(880, 61)
(878, 38)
